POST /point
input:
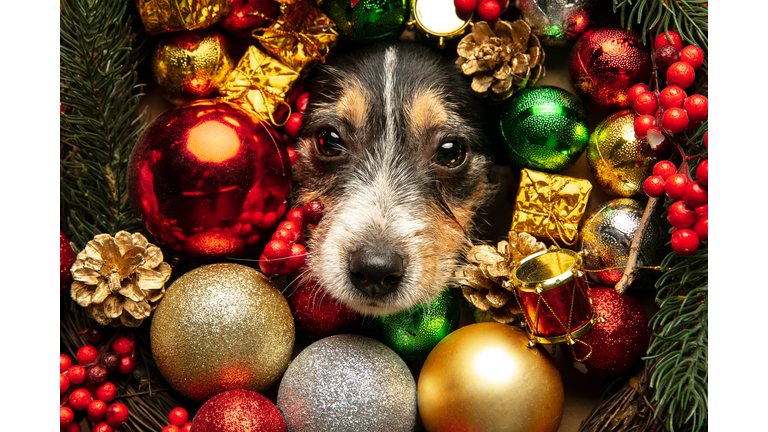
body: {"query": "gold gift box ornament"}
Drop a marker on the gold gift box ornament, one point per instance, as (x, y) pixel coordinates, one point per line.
(550, 206)
(162, 16)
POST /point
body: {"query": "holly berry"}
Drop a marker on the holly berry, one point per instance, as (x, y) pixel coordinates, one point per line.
(64, 363)
(95, 335)
(63, 384)
(73, 427)
(66, 416)
(127, 365)
(653, 186)
(314, 212)
(672, 97)
(98, 374)
(97, 410)
(674, 39)
(697, 107)
(117, 414)
(666, 56)
(702, 172)
(701, 226)
(646, 103)
(488, 10)
(674, 120)
(681, 215)
(76, 374)
(87, 354)
(643, 123)
(681, 74)
(692, 55)
(171, 428)
(674, 186)
(635, 91)
(465, 7)
(80, 399)
(106, 392)
(293, 124)
(178, 416)
(101, 427)
(303, 100)
(702, 210)
(664, 169)
(685, 241)
(187, 427)
(695, 195)
(123, 346)
(111, 361)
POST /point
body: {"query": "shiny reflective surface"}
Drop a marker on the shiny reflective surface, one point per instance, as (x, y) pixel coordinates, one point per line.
(368, 20)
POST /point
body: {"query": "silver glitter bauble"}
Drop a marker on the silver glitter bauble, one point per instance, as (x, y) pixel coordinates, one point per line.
(222, 327)
(556, 22)
(348, 383)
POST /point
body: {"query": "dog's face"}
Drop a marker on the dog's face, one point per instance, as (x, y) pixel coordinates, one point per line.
(392, 145)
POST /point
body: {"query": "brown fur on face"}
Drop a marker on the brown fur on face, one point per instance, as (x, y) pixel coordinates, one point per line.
(389, 188)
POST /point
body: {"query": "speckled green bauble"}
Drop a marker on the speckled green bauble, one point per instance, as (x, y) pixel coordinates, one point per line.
(545, 128)
(412, 334)
(364, 21)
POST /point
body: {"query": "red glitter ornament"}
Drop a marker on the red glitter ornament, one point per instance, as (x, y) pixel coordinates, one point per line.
(605, 62)
(209, 180)
(317, 312)
(247, 15)
(238, 411)
(619, 343)
(66, 259)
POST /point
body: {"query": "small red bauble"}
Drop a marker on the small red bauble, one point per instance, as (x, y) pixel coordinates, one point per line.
(674, 186)
(247, 15)
(695, 195)
(676, 40)
(672, 97)
(117, 414)
(681, 74)
(127, 365)
(171, 428)
(701, 226)
(178, 417)
(317, 312)
(465, 7)
(692, 55)
(653, 186)
(681, 215)
(238, 411)
(617, 344)
(76, 374)
(664, 169)
(63, 384)
(634, 92)
(97, 410)
(64, 363)
(643, 123)
(101, 427)
(66, 259)
(80, 399)
(685, 241)
(293, 124)
(488, 10)
(646, 103)
(87, 354)
(106, 392)
(702, 173)
(199, 169)
(123, 346)
(697, 107)
(302, 100)
(674, 120)
(66, 416)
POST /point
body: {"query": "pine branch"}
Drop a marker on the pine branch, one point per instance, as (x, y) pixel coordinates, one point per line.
(100, 121)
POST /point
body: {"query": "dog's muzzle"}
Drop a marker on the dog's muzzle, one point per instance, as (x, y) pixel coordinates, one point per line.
(375, 272)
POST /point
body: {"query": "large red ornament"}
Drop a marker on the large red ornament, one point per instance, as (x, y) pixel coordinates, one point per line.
(247, 15)
(619, 343)
(605, 62)
(66, 259)
(317, 312)
(209, 180)
(238, 411)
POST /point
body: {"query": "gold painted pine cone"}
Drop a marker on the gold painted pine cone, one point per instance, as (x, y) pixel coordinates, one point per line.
(502, 60)
(120, 279)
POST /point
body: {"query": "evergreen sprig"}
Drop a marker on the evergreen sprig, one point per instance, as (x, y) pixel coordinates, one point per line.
(100, 121)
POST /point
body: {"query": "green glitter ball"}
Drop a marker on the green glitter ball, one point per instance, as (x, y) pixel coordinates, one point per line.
(413, 333)
(546, 129)
(368, 20)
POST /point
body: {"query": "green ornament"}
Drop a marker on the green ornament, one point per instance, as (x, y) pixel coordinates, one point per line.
(545, 128)
(412, 334)
(368, 20)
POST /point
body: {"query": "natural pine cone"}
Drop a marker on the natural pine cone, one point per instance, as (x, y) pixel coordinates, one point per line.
(503, 60)
(119, 279)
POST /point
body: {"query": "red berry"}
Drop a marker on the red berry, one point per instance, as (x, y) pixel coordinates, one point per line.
(80, 399)
(692, 55)
(646, 103)
(111, 361)
(697, 107)
(664, 169)
(676, 40)
(643, 123)
(98, 374)
(695, 195)
(171, 428)
(96, 411)
(635, 91)
(101, 427)
(276, 250)
(653, 186)
(66, 416)
(681, 215)
(301, 102)
(465, 7)
(293, 124)
(665, 57)
(488, 10)
(674, 120)
(64, 363)
(76, 374)
(187, 427)
(702, 210)
(123, 346)
(95, 335)
(127, 365)
(63, 384)
(681, 74)
(86, 354)
(295, 215)
(314, 211)
(658, 142)
(292, 155)
(674, 186)
(702, 172)
(287, 231)
(297, 259)
(685, 241)
(106, 392)
(672, 97)
(117, 414)
(701, 226)
(178, 416)
(73, 427)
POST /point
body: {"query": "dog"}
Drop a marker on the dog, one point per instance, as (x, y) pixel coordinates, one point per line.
(392, 145)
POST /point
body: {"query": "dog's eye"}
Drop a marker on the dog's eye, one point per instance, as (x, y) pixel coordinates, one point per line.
(450, 154)
(328, 142)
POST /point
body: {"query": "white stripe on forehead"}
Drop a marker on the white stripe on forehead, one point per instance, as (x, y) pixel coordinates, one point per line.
(390, 59)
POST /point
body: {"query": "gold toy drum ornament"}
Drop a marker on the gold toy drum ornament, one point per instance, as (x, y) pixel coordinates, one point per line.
(551, 289)
(436, 20)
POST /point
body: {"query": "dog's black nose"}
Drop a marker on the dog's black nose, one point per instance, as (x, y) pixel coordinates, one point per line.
(375, 271)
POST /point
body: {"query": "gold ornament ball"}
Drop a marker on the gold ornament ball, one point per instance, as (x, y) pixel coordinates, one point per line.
(484, 377)
(191, 65)
(222, 327)
(619, 160)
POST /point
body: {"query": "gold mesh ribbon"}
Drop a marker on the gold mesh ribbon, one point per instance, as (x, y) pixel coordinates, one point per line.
(550, 205)
(300, 36)
(261, 84)
(161, 16)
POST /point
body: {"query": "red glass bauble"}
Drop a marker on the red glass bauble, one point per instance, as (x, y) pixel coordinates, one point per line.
(247, 15)
(209, 180)
(605, 62)
(317, 312)
(66, 259)
(619, 343)
(238, 411)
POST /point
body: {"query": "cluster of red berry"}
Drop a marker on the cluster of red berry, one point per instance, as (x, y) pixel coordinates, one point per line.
(178, 421)
(84, 388)
(285, 253)
(487, 10)
(688, 215)
(669, 109)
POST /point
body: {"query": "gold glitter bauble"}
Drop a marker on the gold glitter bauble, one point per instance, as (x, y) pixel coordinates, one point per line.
(191, 65)
(484, 377)
(222, 327)
(619, 160)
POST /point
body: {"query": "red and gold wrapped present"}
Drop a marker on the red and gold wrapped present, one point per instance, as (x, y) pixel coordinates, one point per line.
(161, 16)
(262, 85)
(550, 206)
(300, 36)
